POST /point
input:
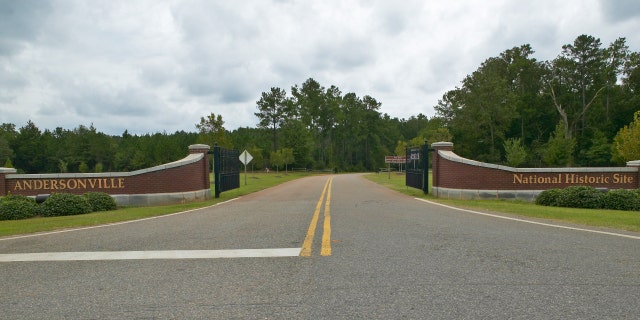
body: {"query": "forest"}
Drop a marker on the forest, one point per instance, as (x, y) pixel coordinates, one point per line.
(576, 110)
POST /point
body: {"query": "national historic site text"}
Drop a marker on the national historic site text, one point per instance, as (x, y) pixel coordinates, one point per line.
(573, 178)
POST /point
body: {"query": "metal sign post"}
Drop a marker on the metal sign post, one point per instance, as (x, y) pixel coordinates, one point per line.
(245, 158)
(393, 159)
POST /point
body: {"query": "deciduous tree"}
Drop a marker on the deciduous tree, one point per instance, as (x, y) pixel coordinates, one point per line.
(515, 153)
(212, 131)
(627, 141)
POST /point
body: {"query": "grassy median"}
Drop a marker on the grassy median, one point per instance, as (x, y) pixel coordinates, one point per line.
(623, 220)
(255, 182)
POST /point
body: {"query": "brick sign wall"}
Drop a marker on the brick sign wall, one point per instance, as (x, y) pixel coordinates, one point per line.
(183, 180)
(457, 177)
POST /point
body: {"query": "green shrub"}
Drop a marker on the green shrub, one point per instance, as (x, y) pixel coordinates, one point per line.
(549, 197)
(100, 201)
(581, 197)
(64, 204)
(622, 200)
(16, 197)
(15, 208)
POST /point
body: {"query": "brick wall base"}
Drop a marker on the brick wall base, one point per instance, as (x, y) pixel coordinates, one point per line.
(159, 199)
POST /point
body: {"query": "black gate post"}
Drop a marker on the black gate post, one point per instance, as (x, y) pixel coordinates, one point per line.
(216, 170)
(417, 167)
(425, 167)
(226, 169)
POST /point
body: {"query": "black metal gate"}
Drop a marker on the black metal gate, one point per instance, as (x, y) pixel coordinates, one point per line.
(417, 168)
(226, 169)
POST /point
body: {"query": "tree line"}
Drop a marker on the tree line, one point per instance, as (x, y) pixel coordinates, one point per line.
(562, 112)
(326, 128)
(84, 149)
(577, 109)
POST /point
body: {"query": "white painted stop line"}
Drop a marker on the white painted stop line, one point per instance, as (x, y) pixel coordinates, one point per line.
(150, 255)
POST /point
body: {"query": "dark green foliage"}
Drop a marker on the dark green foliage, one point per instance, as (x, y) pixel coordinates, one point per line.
(27, 145)
(100, 201)
(581, 197)
(622, 200)
(590, 198)
(64, 204)
(16, 197)
(17, 207)
(549, 197)
(84, 149)
(589, 88)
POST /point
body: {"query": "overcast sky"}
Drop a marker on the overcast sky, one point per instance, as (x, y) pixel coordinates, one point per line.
(154, 65)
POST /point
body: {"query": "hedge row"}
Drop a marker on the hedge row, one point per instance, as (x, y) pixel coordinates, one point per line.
(15, 207)
(590, 198)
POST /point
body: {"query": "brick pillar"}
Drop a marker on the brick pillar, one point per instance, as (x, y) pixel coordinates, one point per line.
(437, 146)
(204, 149)
(636, 164)
(3, 181)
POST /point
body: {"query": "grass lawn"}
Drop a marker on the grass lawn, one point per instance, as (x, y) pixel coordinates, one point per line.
(255, 182)
(623, 220)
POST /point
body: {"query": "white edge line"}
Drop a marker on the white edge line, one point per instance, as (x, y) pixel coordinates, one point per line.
(531, 222)
(150, 255)
(113, 224)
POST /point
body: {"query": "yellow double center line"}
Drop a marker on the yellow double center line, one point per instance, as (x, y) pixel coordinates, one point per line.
(326, 236)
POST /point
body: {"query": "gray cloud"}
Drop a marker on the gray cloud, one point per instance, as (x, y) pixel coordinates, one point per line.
(156, 65)
(20, 22)
(98, 103)
(620, 10)
(10, 81)
(342, 55)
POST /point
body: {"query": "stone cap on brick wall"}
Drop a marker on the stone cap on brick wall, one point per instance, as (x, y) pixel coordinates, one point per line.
(449, 155)
(635, 163)
(442, 144)
(7, 170)
(195, 147)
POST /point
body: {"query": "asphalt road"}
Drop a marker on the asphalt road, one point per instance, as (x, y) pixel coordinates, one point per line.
(386, 256)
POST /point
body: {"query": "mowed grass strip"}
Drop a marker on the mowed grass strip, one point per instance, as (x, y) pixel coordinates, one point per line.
(616, 219)
(255, 182)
